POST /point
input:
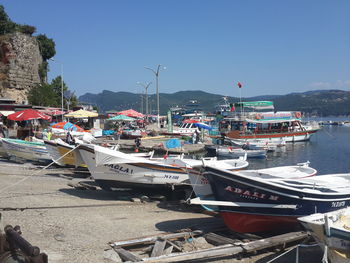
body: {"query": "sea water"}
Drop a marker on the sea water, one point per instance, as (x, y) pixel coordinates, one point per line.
(328, 151)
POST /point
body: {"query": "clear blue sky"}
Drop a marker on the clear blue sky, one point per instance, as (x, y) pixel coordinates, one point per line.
(270, 46)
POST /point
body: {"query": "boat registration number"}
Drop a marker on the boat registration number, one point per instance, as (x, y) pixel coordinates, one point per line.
(175, 177)
(338, 204)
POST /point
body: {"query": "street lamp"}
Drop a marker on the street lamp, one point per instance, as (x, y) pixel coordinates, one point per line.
(55, 60)
(156, 73)
(146, 86)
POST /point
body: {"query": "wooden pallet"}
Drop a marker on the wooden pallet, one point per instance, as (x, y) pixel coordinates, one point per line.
(167, 247)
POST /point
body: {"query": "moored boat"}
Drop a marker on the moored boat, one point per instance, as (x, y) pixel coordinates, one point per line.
(32, 151)
(264, 202)
(232, 152)
(251, 124)
(204, 192)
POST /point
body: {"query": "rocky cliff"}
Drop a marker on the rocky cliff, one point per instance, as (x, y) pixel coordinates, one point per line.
(20, 59)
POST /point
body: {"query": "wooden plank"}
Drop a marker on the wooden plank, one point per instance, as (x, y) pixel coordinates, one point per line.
(225, 250)
(174, 245)
(274, 241)
(158, 248)
(126, 255)
(218, 240)
(151, 239)
(168, 250)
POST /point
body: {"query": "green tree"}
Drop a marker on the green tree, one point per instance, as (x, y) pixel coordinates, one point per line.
(6, 25)
(56, 85)
(47, 46)
(27, 29)
(43, 95)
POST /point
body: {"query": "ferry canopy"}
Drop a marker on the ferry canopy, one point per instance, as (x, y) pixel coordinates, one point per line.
(256, 105)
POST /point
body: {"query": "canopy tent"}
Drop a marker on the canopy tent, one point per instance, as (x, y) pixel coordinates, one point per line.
(67, 126)
(190, 121)
(131, 113)
(202, 126)
(28, 114)
(121, 118)
(255, 105)
(6, 112)
(52, 112)
(81, 114)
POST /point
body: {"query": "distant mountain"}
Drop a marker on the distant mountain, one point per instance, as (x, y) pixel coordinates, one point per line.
(320, 102)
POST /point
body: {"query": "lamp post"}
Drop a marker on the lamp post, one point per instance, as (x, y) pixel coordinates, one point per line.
(146, 86)
(156, 73)
(55, 60)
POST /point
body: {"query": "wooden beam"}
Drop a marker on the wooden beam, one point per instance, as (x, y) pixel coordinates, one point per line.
(151, 239)
(126, 255)
(218, 240)
(158, 248)
(274, 241)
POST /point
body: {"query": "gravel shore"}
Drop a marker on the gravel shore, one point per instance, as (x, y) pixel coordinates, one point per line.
(75, 226)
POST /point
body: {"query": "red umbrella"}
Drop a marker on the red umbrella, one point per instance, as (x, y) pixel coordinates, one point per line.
(190, 121)
(67, 126)
(131, 113)
(28, 114)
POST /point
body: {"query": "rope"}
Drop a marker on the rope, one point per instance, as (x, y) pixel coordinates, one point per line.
(37, 173)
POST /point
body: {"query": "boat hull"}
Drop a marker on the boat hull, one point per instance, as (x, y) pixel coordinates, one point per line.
(134, 175)
(35, 152)
(276, 137)
(266, 202)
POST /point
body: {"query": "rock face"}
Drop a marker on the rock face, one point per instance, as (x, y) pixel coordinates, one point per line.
(20, 59)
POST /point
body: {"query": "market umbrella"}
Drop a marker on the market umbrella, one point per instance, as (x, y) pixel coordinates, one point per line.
(190, 121)
(203, 126)
(28, 114)
(121, 118)
(67, 126)
(131, 113)
(81, 114)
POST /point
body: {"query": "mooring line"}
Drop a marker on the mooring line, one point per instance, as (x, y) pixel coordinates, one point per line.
(34, 174)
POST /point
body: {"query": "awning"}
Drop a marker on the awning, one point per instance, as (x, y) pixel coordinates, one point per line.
(6, 112)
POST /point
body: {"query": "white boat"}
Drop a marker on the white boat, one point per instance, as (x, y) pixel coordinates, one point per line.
(236, 152)
(114, 169)
(332, 232)
(32, 151)
(256, 144)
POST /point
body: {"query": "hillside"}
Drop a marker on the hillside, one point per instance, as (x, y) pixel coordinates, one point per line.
(320, 102)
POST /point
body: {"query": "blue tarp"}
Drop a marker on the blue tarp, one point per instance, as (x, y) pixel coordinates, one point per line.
(172, 143)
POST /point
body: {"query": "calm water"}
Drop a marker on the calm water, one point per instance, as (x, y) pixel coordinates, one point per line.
(328, 151)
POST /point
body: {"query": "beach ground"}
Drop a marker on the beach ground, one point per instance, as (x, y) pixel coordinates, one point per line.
(73, 225)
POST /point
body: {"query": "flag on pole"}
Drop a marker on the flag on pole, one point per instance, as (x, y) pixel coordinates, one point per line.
(239, 85)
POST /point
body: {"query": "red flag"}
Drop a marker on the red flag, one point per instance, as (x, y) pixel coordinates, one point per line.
(239, 85)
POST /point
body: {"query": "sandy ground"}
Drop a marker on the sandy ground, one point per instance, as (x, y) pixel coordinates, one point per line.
(76, 225)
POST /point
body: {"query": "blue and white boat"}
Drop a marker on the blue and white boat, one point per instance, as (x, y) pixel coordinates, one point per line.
(31, 151)
(264, 203)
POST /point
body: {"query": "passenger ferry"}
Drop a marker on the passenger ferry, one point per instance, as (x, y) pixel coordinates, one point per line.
(255, 120)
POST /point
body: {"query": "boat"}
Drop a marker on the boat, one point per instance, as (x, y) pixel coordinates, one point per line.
(52, 149)
(332, 232)
(235, 152)
(114, 169)
(266, 203)
(256, 144)
(32, 151)
(63, 153)
(203, 189)
(253, 123)
(3, 152)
